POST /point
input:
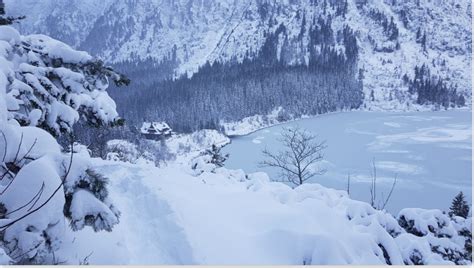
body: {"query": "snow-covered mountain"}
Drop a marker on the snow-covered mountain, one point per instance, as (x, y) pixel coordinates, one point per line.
(179, 205)
(432, 32)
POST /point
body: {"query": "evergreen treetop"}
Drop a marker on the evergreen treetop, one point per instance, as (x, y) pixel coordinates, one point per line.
(459, 206)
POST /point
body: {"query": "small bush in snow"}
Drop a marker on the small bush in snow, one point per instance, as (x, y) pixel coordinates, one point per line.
(120, 150)
(217, 158)
(209, 160)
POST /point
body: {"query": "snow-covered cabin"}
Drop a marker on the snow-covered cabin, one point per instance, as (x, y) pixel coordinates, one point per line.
(155, 130)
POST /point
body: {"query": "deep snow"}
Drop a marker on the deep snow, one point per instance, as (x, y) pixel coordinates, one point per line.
(430, 152)
(170, 216)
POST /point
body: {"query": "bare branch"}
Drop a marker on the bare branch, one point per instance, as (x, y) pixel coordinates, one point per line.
(19, 147)
(390, 193)
(29, 151)
(35, 197)
(6, 146)
(5, 226)
(381, 204)
(40, 193)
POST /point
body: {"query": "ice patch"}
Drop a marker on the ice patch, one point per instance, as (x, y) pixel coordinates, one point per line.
(443, 135)
(459, 133)
(416, 157)
(397, 151)
(362, 132)
(434, 117)
(392, 124)
(368, 179)
(258, 139)
(383, 183)
(398, 167)
(456, 146)
(416, 118)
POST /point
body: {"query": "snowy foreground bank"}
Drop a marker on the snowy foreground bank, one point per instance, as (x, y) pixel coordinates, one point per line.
(171, 215)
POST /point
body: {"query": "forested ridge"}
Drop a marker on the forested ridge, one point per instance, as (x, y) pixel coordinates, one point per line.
(230, 91)
(313, 72)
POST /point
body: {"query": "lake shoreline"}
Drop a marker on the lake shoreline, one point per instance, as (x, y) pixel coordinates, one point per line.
(232, 136)
(410, 144)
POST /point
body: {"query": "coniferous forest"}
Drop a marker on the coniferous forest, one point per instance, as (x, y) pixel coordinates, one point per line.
(262, 81)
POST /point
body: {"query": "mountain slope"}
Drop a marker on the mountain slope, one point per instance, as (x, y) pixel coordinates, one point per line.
(431, 32)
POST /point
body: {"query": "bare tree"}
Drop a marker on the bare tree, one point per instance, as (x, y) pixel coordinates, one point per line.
(297, 161)
(373, 190)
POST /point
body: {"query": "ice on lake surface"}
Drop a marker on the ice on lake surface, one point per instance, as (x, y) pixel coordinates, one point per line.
(429, 152)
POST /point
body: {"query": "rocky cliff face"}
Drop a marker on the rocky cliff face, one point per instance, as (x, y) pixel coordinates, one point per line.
(393, 36)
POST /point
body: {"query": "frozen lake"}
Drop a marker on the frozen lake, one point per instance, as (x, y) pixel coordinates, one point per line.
(430, 152)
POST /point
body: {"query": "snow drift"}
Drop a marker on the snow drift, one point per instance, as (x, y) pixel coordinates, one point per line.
(175, 215)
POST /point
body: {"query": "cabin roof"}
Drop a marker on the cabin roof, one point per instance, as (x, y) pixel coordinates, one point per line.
(154, 128)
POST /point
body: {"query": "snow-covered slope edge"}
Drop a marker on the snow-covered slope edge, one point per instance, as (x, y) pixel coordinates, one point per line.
(172, 215)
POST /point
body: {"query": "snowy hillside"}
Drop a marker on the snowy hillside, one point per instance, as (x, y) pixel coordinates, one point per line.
(432, 32)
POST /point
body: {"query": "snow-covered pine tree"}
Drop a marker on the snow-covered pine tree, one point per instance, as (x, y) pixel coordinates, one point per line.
(46, 85)
(55, 85)
(459, 206)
